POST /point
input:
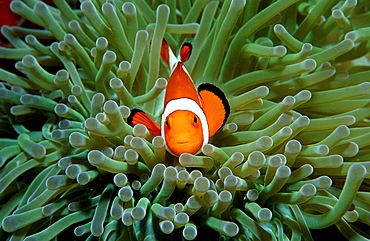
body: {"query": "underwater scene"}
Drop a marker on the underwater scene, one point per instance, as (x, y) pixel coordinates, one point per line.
(185, 120)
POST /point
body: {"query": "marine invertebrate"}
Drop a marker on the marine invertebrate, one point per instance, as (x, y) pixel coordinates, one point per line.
(291, 158)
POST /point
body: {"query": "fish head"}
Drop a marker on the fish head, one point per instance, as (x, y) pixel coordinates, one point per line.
(183, 132)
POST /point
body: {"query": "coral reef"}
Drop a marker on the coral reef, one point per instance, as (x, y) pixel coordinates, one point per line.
(292, 158)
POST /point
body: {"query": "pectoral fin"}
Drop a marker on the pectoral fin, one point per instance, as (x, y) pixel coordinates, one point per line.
(215, 106)
(140, 117)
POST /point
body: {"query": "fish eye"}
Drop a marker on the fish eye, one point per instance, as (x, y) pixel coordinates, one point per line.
(166, 123)
(195, 120)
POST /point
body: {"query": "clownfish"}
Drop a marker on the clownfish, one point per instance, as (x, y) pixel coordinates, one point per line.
(191, 115)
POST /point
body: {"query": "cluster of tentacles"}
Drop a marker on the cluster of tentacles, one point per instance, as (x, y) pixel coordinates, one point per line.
(292, 157)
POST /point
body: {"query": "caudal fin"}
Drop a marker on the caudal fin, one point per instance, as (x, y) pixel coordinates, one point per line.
(170, 58)
(185, 51)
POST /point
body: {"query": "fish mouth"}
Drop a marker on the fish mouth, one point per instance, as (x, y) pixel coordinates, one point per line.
(181, 143)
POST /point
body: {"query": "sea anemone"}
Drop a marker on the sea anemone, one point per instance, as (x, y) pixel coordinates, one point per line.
(292, 158)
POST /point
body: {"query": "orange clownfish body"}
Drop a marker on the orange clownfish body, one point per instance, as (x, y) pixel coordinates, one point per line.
(190, 115)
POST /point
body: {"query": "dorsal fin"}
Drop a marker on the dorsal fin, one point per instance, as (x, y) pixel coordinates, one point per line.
(168, 55)
(180, 85)
(140, 117)
(165, 52)
(215, 106)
